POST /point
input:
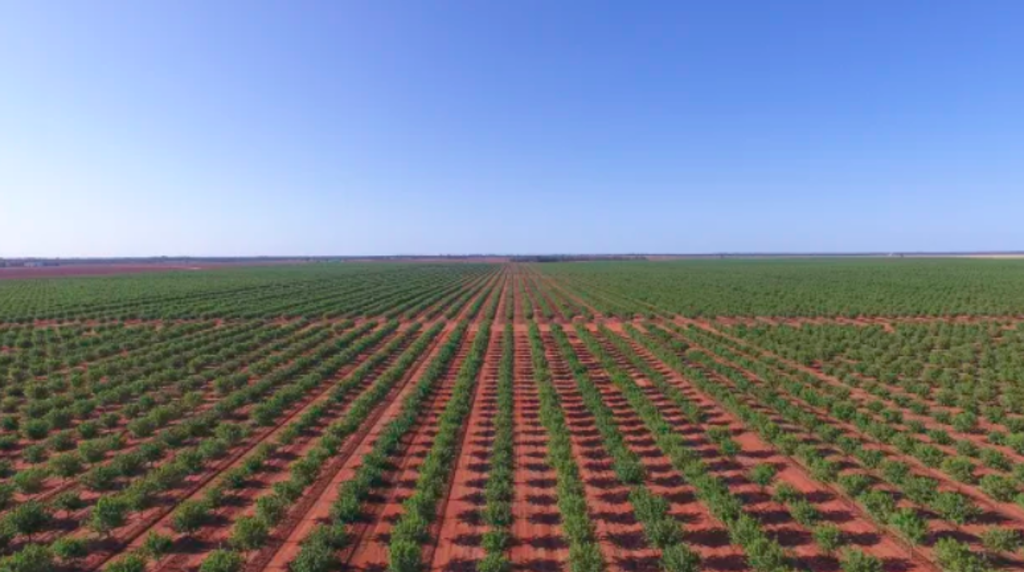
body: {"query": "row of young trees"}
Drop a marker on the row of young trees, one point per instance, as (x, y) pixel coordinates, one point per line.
(33, 396)
(246, 293)
(805, 287)
(761, 552)
(662, 530)
(28, 351)
(667, 350)
(92, 406)
(931, 415)
(318, 552)
(499, 491)
(150, 446)
(878, 502)
(584, 552)
(971, 367)
(444, 300)
(510, 304)
(215, 432)
(817, 394)
(191, 515)
(408, 535)
(94, 440)
(143, 427)
(251, 533)
(524, 299)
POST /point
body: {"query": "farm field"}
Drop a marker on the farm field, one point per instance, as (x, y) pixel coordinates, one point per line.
(724, 415)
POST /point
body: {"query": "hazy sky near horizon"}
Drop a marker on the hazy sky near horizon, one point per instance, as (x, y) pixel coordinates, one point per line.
(372, 127)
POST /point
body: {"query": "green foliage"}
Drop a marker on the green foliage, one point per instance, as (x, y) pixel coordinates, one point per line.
(762, 475)
(70, 549)
(110, 512)
(911, 525)
(156, 545)
(856, 561)
(190, 516)
(955, 556)
(32, 558)
(249, 533)
(829, 538)
(223, 561)
(1001, 539)
(131, 563)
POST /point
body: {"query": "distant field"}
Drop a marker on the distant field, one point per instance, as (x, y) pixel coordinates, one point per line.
(763, 415)
(91, 270)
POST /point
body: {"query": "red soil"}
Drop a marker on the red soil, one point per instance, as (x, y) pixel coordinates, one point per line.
(499, 314)
(369, 549)
(54, 486)
(459, 530)
(538, 540)
(518, 316)
(993, 512)
(316, 503)
(158, 517)
(887, 323)
(829, 501)
(703, 533)
(275, 470)
(863, 397)
(620, 535)
(530, 296)
(555, 286)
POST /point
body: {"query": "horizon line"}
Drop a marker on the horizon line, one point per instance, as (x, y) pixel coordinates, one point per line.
(328, 257)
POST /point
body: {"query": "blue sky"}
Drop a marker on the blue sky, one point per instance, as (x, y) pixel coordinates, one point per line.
(244, 128)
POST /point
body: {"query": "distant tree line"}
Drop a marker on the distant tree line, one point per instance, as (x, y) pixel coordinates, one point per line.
(576, 258)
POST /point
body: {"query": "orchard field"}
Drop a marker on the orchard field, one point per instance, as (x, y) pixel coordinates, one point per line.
(727, 415)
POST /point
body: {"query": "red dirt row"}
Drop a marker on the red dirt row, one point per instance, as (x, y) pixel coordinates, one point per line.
(994, 513)
(836, 509)
(538, 542)
(315, 507)
(619, 533)
(158, 518)
(193, 550)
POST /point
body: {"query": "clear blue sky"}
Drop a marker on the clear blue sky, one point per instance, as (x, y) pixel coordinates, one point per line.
(243, 127)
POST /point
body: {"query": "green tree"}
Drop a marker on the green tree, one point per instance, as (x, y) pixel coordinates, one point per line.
(109, 513)
(998, 539)
(910, 524)
(156, 544)
(829, 538)
(674, 558)
(955, 507)
(68, 501)
(223, 561)
(32, 558)
(249, 533)
(30, 481)
(29, 518)
(955, 556)
(857, 561)
(190, 516)
(762, 475)
(70, 549)
(134, 562)
(66, 465)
